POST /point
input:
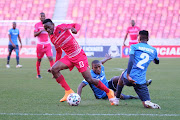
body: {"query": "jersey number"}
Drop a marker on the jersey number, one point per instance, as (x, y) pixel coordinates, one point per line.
(145, 58)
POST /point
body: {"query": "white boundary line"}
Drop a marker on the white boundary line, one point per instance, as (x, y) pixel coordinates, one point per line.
(47, 114)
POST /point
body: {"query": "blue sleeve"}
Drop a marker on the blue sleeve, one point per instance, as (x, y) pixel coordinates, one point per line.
(132, 50)
(102, 68)
(156, 55)
(130, 63)
(9, 32)
(85, 82)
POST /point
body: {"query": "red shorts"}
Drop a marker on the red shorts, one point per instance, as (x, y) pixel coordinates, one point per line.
(132, 43)
(43, 49)
(80, 61)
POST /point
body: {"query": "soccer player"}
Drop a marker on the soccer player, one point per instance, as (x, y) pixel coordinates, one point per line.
(133, 32)
(99, 72)
(75, 56)
(13, 44)
(141, 55)
(43, 44)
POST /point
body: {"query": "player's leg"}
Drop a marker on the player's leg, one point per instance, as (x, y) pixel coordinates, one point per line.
(49, 54)
(10, 49)
(62, 64)
(87, 76)
(113, 84)
(40, 54)
(17, 56)
(143, 93)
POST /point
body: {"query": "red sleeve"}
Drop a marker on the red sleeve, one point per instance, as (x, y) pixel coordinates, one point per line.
(58, 54)
(36, 28)
(69, 26)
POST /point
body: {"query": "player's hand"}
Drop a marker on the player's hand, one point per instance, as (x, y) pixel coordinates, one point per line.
(14, 45)
(73, 30)
(21, 46)
(108, 56)
(131, 80)
(124, 44)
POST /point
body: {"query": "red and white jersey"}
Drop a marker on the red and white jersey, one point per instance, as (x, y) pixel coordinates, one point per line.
(133, 32)
(43, 36)
(63, 39)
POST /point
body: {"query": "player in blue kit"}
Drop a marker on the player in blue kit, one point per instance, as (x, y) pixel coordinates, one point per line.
(98, 72)
(13, 45)
(141, 55)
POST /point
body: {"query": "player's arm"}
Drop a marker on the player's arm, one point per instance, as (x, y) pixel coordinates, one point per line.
(11, 40)
(125, 38)
(58, 54)
(107, 57)
(20, 40)
(130, 65)
(74, 27)
(80, 87)
(37, 33)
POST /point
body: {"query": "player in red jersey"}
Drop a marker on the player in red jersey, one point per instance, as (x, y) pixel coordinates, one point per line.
(43, 44)
(63, 40)
(133, 31)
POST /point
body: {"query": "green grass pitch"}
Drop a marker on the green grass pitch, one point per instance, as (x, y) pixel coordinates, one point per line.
(24, 97)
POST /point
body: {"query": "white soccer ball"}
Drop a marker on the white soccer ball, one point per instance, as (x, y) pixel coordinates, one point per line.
(73, 99)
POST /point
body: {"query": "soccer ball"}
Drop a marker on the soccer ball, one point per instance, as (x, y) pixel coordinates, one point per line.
(73, 99)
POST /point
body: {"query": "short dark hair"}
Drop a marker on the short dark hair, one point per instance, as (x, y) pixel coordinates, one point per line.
(42, 13)
(95, 62)
(144, 32)
(47, 20)
(144, 35)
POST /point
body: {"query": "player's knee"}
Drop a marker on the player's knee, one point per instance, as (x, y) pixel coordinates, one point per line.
(50, 58)
(54, 70)
(89, 80)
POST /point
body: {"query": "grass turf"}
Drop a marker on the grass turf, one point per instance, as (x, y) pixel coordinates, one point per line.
(21, 92)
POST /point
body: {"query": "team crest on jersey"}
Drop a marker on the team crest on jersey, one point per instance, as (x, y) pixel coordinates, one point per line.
(59, 32)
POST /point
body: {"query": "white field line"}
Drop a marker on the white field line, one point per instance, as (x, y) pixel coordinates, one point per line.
(47, 114)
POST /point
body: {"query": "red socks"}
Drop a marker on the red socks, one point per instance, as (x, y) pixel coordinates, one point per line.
(38, 67)
(102, 87)
(51, 63)
(63, 82)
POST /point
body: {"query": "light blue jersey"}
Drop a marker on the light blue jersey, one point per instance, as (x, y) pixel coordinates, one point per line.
(143, 55)
(97, 92)
(14, 34)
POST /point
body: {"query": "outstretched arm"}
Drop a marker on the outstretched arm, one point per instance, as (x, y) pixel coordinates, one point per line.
(107, 57)
(79, 89)
(74, 27)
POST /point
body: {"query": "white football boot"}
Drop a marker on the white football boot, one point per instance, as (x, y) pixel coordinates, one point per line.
(7, 66)
(149, 104)
(18, 66)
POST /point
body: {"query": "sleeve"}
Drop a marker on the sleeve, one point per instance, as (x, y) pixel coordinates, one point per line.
(58, 54)
(156, 55)
(132, 50)
(69, 26)
(85, 82)
(9, 32)
(130, 63)
(36, 28)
